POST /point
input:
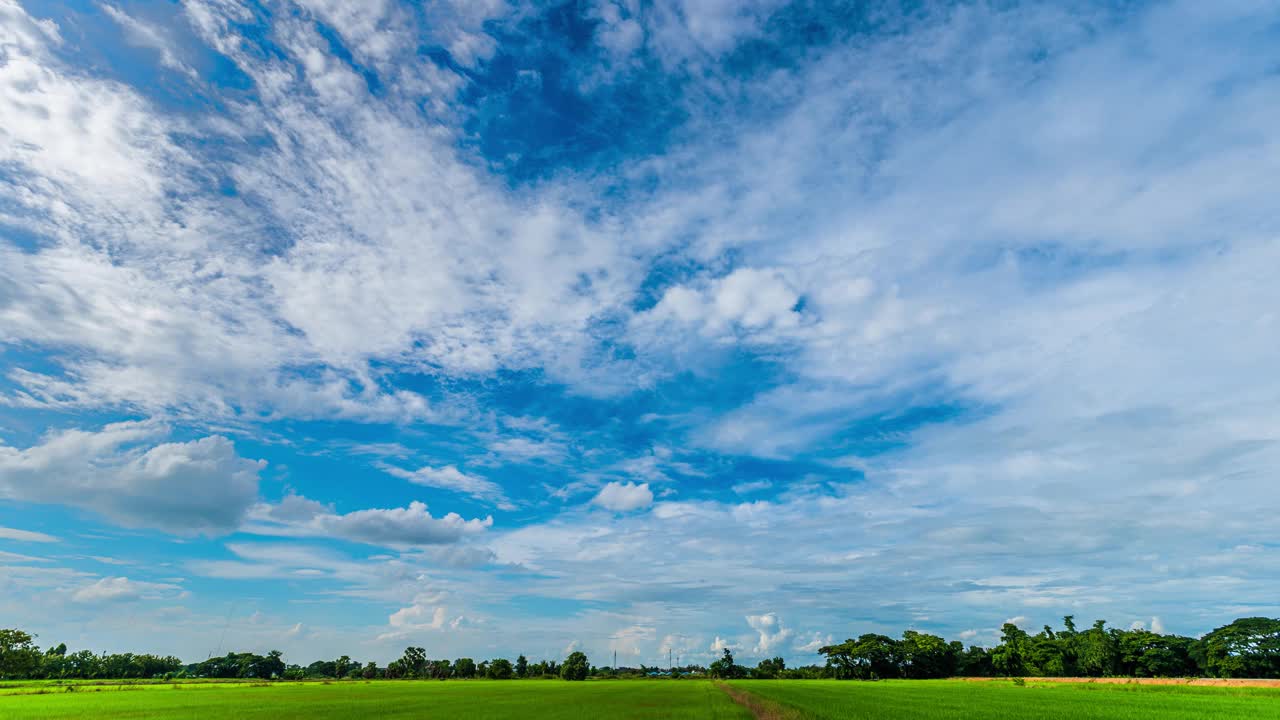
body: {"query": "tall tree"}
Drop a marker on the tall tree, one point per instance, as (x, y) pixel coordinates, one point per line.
(19, 655)
(725, 667)
(926, 656)
(500, 669)
(464, 668)
(576, 667)
(414, 661)
(1248, 647)
(1010, 657)
(870, 657)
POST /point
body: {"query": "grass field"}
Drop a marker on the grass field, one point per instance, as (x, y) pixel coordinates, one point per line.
(483, 700)
(536, 700)
(956, 700)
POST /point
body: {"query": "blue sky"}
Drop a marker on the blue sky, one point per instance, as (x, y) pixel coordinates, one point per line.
(506, 328)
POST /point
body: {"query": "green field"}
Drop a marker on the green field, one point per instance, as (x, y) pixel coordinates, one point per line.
(956, 700)
(538, 699)
(527, 700)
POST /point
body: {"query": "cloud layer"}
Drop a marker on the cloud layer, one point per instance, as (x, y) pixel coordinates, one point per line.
(692, 330)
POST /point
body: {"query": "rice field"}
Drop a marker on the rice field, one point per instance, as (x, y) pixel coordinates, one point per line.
(479, 699)
(636, 699)
(1003, 700)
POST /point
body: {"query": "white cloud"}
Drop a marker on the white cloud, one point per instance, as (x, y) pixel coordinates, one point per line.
(747, 306)
(202, 307)
(631, 640)
(121, 589)
(771, 633)
(751, 486)
(201, 486)
(411, 526)
(401, 526)
(449, 477)
(146, 35)
(813, 644)
(416, 618)
(8, 533)
(624, 497)
(520, 449)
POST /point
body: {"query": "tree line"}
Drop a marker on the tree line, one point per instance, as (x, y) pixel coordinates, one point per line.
(1248, 647)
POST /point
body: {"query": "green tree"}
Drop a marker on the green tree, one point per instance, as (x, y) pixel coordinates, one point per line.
(1248, 647)
(414, 661)
(769, 668)
(1045, 654)
(342, 666)
(975, 662)
(19, 655)
(440, 669)
(925, 656)
(500, 669)
(576, 667)
(1096, 651)
(1010, 657)
(522, 667)
(464, 668)
(1147, 654)
(870, 657)
(725, 667)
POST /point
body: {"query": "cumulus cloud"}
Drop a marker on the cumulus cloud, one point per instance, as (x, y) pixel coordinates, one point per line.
(747, 305)
(122, 589)
(200, 486)
(772, 635)
(624, 497)
(411, 526)
(418, 617)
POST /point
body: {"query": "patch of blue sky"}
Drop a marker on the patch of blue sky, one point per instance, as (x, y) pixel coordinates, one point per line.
(170, 68)
(535, 606)
(537, 110)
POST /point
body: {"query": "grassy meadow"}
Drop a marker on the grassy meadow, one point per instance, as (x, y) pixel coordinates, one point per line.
(538, 699)
(477, 699)
(1003, 700)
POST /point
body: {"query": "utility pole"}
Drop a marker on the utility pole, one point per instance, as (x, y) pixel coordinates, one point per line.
(615, 659)
(669, 665)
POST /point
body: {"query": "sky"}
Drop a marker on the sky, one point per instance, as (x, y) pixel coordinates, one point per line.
(337, 326)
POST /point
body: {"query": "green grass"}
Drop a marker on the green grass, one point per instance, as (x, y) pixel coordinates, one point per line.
(553, 700)
(525, 700)
(948, 700)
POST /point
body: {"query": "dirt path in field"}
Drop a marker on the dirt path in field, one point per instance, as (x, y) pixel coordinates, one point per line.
(1199, 682)
(760, 708)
